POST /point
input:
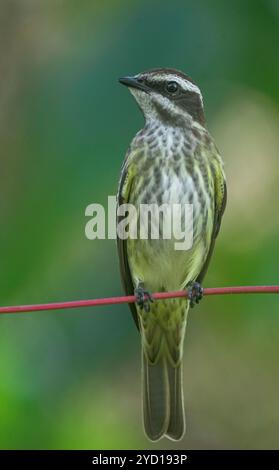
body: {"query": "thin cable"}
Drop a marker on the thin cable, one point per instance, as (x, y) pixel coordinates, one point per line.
(132, 298)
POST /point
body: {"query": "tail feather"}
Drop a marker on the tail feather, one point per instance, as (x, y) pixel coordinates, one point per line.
(176, 426)
(156, 399)
(163, 410)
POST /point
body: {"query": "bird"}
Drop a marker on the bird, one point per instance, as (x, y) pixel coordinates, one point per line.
(172, 160)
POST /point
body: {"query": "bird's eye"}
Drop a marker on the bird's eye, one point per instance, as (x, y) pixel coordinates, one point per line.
(172, 87)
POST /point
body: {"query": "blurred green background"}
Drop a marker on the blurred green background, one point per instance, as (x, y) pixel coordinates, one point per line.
(71, 379)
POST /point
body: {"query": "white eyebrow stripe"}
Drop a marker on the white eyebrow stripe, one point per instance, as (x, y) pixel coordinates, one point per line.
(185, 84)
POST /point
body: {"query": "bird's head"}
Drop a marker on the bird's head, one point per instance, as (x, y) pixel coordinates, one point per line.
(166, 95)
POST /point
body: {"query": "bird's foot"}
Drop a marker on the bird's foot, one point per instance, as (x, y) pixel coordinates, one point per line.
(143, 298)
(194, 293)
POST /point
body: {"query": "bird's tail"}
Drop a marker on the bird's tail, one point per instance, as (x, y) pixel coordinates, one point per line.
(163, 408)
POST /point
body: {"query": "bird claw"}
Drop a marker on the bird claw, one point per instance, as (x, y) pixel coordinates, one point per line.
(194, 293)
(143, 298)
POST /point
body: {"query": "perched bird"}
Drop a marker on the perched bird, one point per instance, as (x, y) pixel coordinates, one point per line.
(172, 160)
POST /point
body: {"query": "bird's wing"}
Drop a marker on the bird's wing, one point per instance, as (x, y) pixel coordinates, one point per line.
(123, 197)
(220, 194)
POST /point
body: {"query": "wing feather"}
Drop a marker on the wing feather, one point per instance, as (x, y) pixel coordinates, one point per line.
(220, 192)
(124, 191)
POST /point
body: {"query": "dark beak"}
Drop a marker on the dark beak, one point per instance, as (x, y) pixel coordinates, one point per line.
(133, 82)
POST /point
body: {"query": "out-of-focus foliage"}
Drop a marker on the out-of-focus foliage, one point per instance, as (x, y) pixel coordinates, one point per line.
(71, 379)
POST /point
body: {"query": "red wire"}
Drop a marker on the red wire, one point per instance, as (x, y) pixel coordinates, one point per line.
(131, 298)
